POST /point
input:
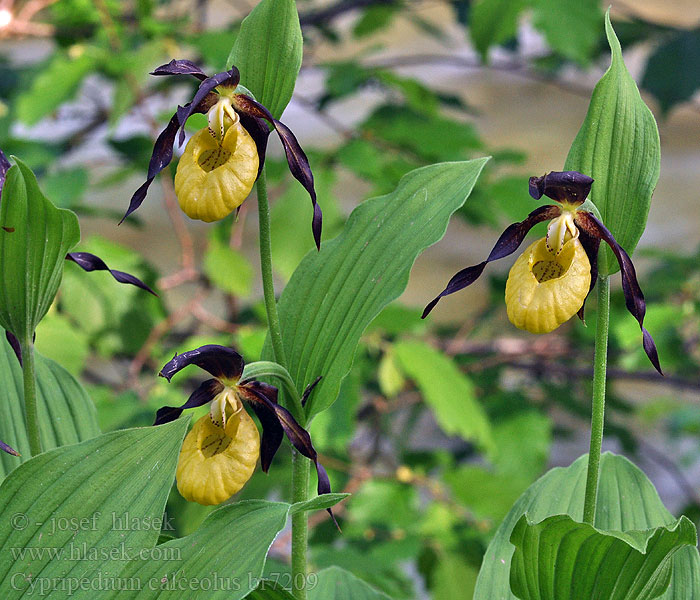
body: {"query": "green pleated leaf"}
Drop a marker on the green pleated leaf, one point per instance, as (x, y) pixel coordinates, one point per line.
(268, 53)
(223, 559)
(80, 511)
(335, 293)
(66, 413)
(561, 559)
(34, 240)
(627, 501)
(335, 583)
(449, 392)
(618, 145)
(318, 503)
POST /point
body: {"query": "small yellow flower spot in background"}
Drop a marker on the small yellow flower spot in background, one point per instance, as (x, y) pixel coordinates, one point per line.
(546, 288)
(216, 462)
(76, 51)
(218, 168)
(404, 474)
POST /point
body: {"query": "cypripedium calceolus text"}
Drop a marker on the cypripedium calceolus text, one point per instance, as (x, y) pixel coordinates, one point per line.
(219, 454)
(221, 162)
(550, 281)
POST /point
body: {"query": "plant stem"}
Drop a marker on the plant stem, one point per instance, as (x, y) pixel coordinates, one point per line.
(273, 320)
(30, 406)
(300, 464)
(300, 525)
(598, 409)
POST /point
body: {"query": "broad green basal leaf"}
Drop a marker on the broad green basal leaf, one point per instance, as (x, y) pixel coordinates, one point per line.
(223, 559)
(449, 392)
(335, 583)
(562, 559)
(335, 293)
(80, 511)
(618, 145)
(268, 53)
(66, 413)
(627, 501)
(34, 240)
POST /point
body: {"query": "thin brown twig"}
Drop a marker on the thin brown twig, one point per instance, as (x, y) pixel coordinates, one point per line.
(158, 332)
(672, 469)
(32, 7)
(210, 319)
(181, 231)
(514, 67)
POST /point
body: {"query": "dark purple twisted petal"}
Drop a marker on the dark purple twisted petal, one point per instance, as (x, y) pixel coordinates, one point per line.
(4, 168)
(90, 262)
(296, 158)
(206, 392)
(160, 158)
(310, 388)
(180, 67)
(508, 243)
(634, 298)
(260, 132)
(272, 428)
(296, 434)
(207, 86)
(563, 186)
(14, 343)
(590, 245)
(219, 361)
(8, 449)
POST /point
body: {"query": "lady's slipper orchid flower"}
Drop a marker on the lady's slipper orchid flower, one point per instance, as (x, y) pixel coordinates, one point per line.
(550, 281)
(222, 162)
(219, 454)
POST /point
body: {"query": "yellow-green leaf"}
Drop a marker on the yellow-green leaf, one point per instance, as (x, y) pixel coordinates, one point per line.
(618, 145)
(627, 501)
(34, 240)
(561, 559)
(268, 53)
(335, 293)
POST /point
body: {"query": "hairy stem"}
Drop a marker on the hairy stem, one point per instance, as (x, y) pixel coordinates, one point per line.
(301, 467)
(273, 320)
(598, 411)
(300, 464)
(30, 404)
